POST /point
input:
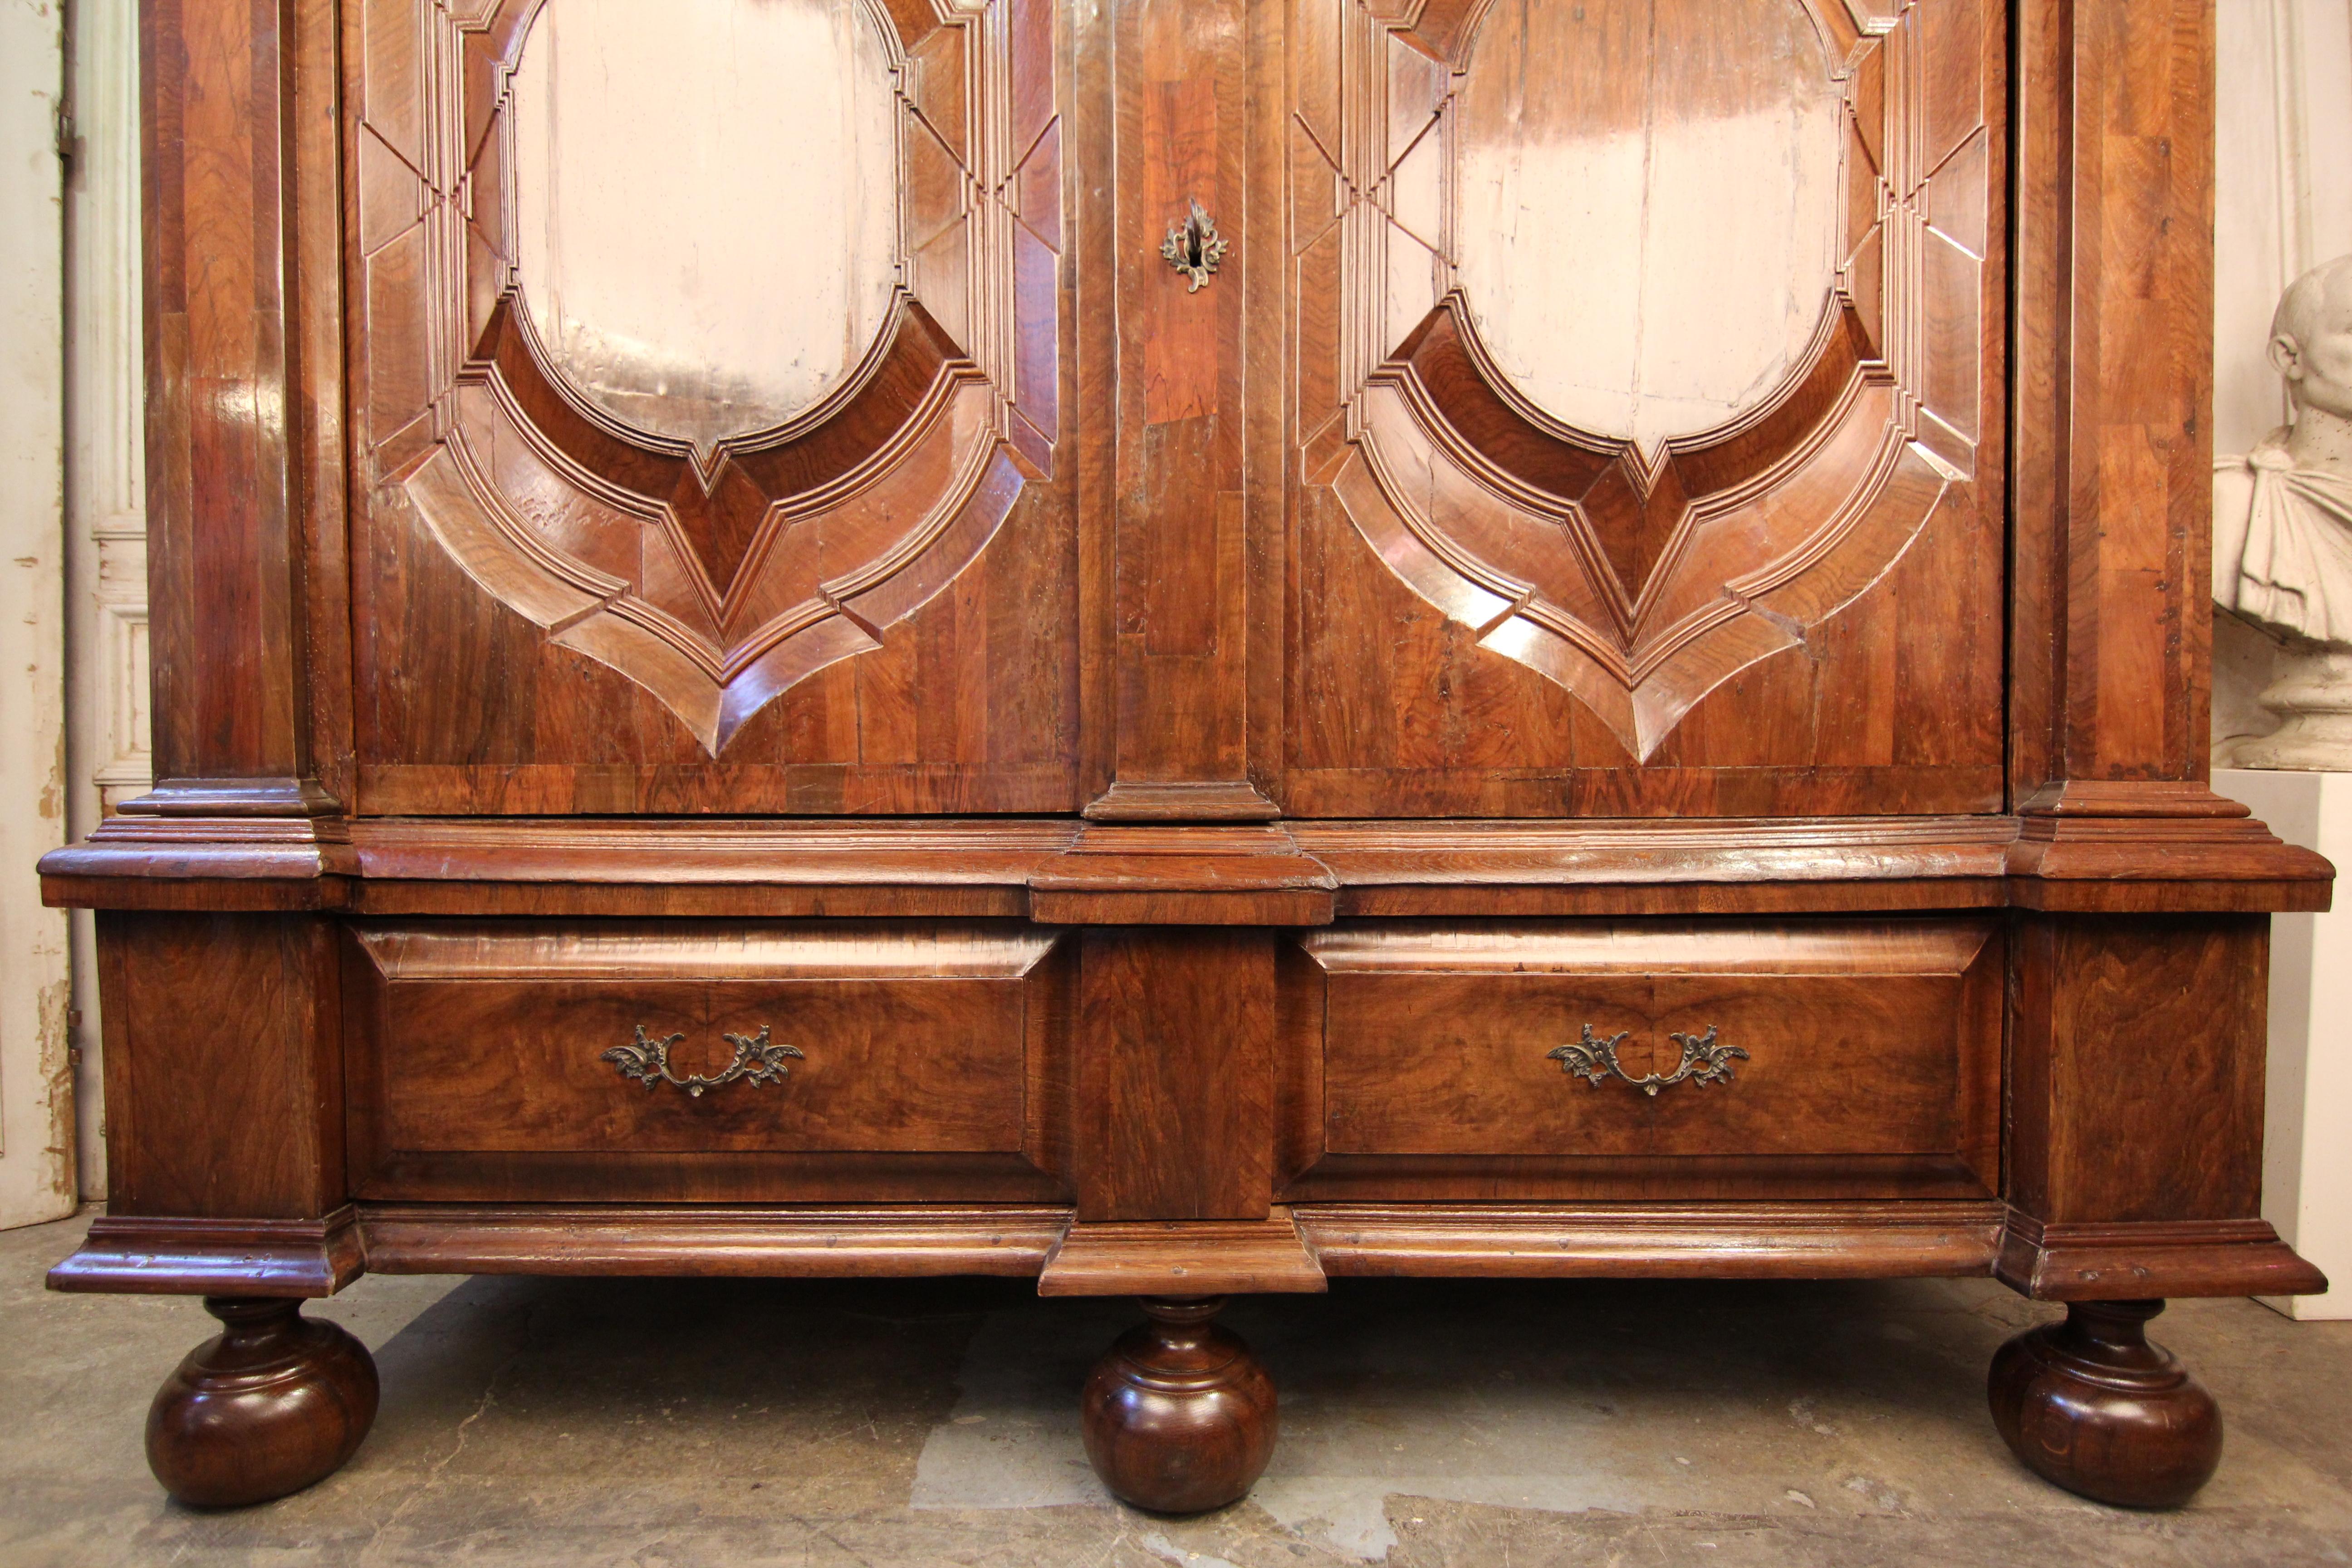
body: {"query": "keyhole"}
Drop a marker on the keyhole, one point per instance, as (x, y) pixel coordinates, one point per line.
(1193, 247)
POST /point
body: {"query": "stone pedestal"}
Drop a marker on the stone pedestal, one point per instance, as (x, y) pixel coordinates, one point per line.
(2308, 1156)
(2311, 692)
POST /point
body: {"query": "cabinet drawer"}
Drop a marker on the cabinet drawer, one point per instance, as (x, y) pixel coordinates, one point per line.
(1872, 1046)
(689, 1061)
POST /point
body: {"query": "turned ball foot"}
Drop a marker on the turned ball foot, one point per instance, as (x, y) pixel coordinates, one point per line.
(2090, 1405)
(275, 1403)
(1179, 1415)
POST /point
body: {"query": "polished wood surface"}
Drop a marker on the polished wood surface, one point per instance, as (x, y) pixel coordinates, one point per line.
(1184, 757)
(1872, 1040)
(2089, 1262)
(2104, 1133)
(2117, 857)
(1229, 1256)
(648, 608)
(1185, 404)
(2093, 1405)
(183, 1256)
(703, 1240)
(1179, 1416)
(1655, 1240)
(223, 1066)
(1780, 614)
(2111, 624)
(489, 1060)
(1175, 1086)
(275, 1403)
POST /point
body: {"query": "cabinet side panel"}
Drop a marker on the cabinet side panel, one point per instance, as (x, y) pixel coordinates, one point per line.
(2137, 1087)
(226, 1070)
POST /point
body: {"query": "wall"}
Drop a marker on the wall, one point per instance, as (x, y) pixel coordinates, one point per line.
(37, 1175)
(106, 523)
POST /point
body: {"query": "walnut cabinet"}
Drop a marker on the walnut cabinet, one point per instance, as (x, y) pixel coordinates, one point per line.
(1182, 646)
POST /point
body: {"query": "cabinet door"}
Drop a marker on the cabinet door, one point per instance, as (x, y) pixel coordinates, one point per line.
(708, 387)
(1646, 359)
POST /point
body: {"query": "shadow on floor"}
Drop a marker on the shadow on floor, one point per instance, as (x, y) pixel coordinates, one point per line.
(1424, 1422)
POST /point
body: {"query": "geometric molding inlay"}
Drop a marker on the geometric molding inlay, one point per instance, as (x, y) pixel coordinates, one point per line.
(715, 580)
(1638, 582)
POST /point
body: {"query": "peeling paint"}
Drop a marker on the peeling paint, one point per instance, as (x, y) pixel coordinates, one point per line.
(57, 1085)
(53, 790)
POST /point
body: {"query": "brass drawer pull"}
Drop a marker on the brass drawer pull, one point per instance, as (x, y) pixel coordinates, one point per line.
(1194, 248)
(756, 1061)
(1704, 1061)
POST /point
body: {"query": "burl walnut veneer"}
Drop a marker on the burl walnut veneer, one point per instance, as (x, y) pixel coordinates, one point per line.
(1182, 646)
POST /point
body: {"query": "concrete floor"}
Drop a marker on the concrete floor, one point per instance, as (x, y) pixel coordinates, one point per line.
(650, 1421)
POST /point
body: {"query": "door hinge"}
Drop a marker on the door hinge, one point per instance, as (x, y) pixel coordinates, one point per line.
(65, 132)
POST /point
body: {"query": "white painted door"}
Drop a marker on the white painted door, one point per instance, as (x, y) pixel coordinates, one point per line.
(36, 1144)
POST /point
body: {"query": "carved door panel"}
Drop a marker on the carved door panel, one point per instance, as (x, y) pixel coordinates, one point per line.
(708, 386)
(1649, 395)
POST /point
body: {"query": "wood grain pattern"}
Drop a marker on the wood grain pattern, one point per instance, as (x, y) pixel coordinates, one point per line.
(691, 604)
(1173, 1081)
(1735, 624)
(2112, 624)
(275, 1403)
(225, 1081)
(2092, 1405)
(476, 1046)
(1191, 875)
(2102, 1261)
(2139, 850)
(1862, 1041)
(1222, 1256)
(1655, 1241)
(708, 1241)
(231, 418)
(183, 1257)
(1184, 392)
(2136, 1077)
(1179, 1416)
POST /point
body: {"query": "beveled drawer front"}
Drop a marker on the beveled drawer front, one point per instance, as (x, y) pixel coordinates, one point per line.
(698, 1060)
(1659, 1043)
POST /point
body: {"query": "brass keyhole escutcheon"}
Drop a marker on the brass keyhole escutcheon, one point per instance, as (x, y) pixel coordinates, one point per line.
(1194, 248)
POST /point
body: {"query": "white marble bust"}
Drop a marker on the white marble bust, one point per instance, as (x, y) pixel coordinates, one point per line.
(2283, 531)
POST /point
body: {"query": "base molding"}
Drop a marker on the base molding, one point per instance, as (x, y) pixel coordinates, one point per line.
(1293, 1251)
(2122, 1261)
(782, 1242)
(1657, 1241)
(1204, 1258)
(142, 1255)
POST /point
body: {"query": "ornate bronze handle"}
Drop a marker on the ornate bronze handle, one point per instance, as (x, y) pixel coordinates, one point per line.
(756, 1061)
(1194, 248)
(1704, 1061)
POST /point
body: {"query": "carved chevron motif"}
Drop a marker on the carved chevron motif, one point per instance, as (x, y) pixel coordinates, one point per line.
(715, 575)
(1640, 575)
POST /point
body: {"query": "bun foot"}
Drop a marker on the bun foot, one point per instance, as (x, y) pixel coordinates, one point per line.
(1179, 1415)
(2090, 1405)
(275, 1403)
